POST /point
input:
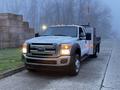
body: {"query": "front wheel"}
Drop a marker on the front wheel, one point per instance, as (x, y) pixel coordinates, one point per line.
(75, 65)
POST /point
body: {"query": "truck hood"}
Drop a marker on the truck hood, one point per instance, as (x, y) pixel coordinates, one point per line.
(52, 39)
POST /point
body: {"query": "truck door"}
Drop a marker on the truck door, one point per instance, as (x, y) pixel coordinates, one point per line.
(83, 42)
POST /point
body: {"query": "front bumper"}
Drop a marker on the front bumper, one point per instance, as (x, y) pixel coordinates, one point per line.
(47, 68)
(55, 61)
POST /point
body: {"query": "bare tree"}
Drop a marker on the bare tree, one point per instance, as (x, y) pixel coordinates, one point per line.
(52, 12)
(33, 12)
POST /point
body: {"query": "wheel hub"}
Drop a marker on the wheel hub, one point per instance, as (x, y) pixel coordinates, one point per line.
(77, 64)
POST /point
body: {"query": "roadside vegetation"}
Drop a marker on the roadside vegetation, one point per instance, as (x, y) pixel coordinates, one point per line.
(10, 59)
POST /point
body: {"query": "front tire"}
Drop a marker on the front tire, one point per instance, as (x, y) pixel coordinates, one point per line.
(75, 65)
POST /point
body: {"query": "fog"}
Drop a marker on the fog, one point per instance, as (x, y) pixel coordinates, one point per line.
(32, 10)
(114, 5)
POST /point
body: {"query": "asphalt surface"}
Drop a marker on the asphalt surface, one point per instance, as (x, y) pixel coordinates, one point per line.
(102, 73)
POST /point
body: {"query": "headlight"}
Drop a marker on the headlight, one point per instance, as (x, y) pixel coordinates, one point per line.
(65, 49)
(24, 48)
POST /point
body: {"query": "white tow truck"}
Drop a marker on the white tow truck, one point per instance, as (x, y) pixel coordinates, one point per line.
(61, 47)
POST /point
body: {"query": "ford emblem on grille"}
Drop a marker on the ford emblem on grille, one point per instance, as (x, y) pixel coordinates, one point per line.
(41, 49)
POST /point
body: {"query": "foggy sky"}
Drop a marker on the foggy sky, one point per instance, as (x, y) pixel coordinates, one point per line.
(115, 11)
(113, 4)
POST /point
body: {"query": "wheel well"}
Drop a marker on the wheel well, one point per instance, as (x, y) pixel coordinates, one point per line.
(75, 49)
(78, 51)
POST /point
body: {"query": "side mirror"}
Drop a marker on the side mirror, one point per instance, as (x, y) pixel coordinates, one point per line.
(82, 36)
(36, 34)
(88, 36)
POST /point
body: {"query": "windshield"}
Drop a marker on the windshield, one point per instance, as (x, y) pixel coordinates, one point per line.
(61, 31)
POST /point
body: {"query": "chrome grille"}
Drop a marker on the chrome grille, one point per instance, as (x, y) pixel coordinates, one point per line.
(42, 50)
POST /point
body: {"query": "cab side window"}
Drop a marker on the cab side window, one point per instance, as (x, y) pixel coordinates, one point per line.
(81, 33)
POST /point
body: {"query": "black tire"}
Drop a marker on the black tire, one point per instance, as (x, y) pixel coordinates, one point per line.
(95, 53)
(75, 65)
(98, 48)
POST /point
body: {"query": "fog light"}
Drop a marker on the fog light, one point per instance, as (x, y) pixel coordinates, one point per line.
(63, 61)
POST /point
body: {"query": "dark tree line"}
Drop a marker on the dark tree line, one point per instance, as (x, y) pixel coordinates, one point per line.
(77, 12)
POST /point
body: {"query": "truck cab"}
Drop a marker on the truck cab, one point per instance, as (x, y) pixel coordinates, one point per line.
(59, 47)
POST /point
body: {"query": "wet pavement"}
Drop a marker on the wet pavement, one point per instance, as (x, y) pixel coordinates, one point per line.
(112, 77)
(102, 73)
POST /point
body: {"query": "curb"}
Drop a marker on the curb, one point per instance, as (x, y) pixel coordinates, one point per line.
(11, 72)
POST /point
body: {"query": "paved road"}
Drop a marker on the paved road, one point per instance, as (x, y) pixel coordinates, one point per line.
(95, 74)
(112, 76)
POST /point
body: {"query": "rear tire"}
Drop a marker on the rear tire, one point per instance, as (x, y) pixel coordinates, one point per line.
(95, 53)
(75, 65)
